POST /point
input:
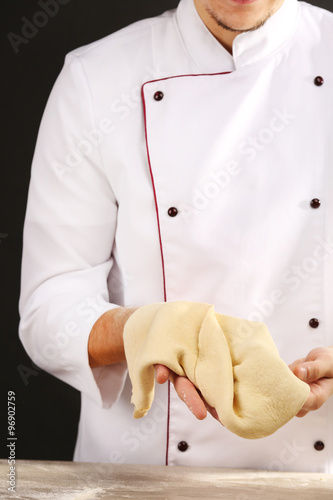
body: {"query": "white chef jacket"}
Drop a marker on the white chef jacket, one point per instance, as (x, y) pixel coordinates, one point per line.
(167, 169)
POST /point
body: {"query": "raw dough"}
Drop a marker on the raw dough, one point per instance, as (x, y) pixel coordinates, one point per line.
(233, 362)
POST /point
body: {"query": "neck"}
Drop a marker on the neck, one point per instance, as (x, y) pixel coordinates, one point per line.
(225, 37)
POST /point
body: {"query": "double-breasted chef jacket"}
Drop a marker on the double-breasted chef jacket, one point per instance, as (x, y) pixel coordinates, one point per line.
(167, 169)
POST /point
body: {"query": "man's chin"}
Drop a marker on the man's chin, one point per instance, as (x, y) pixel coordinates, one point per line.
(244, 28)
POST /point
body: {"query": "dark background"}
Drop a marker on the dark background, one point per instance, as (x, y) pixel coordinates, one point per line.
(47, 410)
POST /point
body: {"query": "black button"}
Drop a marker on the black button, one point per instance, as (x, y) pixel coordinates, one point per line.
(315, 203)
(172, 212)
(319, 80)
(314, 323)
(183, 446)
(319, 445)
(158, 96)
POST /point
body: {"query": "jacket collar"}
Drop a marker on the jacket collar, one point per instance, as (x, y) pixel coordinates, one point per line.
(209, 56)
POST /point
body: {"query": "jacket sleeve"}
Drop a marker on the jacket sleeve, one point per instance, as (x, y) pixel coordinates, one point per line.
(68, 240)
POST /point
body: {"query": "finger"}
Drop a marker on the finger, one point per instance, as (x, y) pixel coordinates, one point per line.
(302, 413)
(296, 363)
(212, 411)
(320, 391)
(162, 373)
(311, 371)
(318, 364)
(189, 395)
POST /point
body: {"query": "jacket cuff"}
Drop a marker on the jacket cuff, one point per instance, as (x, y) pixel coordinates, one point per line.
(103, 385)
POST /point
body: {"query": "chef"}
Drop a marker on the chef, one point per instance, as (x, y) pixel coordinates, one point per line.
(187, 157)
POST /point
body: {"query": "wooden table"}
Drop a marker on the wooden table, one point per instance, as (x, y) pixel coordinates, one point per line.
(83, 481)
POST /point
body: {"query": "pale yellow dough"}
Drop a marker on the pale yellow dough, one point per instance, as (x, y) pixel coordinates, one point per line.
(233, 362)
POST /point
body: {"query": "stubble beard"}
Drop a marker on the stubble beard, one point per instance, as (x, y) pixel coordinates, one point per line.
(219, 21)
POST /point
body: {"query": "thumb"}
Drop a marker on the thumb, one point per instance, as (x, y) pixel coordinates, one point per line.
(162, 373)
(310, 371)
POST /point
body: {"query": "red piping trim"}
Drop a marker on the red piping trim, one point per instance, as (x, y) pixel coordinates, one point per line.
(184, 76)
(158, 217)
(154, 190)
(168, 428)
(162, 256)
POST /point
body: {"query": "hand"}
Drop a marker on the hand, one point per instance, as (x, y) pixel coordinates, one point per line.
(317, 371)
(187, 392)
